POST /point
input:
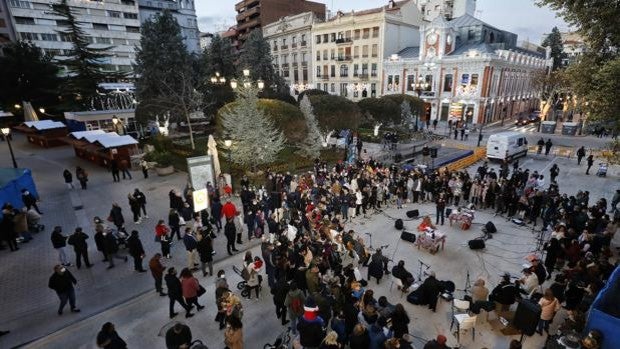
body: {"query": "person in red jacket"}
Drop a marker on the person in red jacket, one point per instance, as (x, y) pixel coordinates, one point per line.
(229, 209)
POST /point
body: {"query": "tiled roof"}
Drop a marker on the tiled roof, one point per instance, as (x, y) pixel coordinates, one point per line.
(398, 5)
(468, 21)
(409, 52)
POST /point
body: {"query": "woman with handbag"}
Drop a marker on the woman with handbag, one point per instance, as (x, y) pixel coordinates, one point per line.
(191, 288)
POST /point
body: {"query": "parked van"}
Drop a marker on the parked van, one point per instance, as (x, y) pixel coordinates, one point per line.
(506, 145)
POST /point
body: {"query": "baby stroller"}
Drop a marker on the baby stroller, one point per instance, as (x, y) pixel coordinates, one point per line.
(197, 344)
(243, 284)
(602, 169)
(121, 237)
(283, 341)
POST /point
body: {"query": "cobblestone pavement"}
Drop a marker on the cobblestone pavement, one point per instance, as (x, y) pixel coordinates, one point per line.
(29, 306)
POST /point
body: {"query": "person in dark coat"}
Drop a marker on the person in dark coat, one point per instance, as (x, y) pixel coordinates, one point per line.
(279, 296)
(590, 160)
(216, 213)
(553, 249)
(59, 241)
(174, 223)
(430, 288)
(62, 281)
(205, 251)
(30, 200)
(400, 321)
(138, 195)
(134, 205)
(80, 247)
(136, 251)
(175, 293)
(108, 338)
(100, 238)
(157, 270)
(505, 293)
(116, 216)
(230, 232)
(82, 177)
(359, 339)
(176, 201)
(399, 272)
(7, 227)
(111, 248)
(115, 173)
(178, 336)
(68, 176)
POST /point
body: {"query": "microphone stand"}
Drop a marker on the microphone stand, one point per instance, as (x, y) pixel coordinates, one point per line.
(422, 264)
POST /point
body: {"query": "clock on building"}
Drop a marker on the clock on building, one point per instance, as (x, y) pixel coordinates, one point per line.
(431, 38)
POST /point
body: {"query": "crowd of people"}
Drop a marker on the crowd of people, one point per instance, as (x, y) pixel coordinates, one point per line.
(312, 261)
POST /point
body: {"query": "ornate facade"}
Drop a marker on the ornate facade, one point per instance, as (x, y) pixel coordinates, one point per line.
(466, 71)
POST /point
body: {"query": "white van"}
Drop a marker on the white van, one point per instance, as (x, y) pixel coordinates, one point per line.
(506, 145)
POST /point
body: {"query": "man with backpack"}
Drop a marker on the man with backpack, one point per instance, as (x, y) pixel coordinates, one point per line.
(294, 302)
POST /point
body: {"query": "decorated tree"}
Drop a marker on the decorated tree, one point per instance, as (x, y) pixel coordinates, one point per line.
(85, 69)
(405, 113)
(311, 146)
(256, 140)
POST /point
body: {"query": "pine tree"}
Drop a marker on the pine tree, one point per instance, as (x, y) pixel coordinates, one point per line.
(84, 68)
(257, 58)
(405, 113)
(554, 41)
(256, 140)
(311, 146)
(218, 58)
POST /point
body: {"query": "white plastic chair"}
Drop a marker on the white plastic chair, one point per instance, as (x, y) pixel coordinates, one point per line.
(464, 322)
(459, 306)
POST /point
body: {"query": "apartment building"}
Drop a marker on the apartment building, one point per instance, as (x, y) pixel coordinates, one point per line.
(467, 71)
(112, 23)
(183, 11)
(255, 14)
(349, 48)
(290, 39)
(449, 9)
(6, 29)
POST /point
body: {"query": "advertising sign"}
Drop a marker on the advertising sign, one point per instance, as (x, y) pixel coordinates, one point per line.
(201, 200)
(200, 171)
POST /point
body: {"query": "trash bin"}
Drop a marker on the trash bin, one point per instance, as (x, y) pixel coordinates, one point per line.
(570, 128)
(548, 127)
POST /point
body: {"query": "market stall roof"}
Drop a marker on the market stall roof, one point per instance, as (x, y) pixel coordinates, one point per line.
(82, 134)
(44, 124)
(100, 114)
(5, 114)
(95, 137)
(118, 141)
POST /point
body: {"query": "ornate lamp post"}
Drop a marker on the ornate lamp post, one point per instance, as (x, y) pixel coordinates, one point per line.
(7, 132)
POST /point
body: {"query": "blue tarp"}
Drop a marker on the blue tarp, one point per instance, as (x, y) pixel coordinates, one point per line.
(12, 181)
(605, 312)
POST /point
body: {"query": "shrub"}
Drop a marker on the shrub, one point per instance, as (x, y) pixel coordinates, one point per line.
(162, 158)
(381, 110)
(311, 92)
(335, 112)
(417, 104)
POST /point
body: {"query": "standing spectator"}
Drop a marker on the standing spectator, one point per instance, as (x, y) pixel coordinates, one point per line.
(581, 153)
(280, 290)
(116, 217)
(359, 339)
(554, 172)
(176, 201)
(233, 336)
(100, 238)
(191, 288)
(175, 293)
(238, 227)
(68, 178)
(30, 200)
(145, 168)
(440, 208)
(216, 213)
(590, 160)
(124, 167)
(162, 235)
(62, 281)
(111, 248)
(190, 242)
(138, 195)
(205, 250)
(82, 176)
(230, 232)
(229, 210)
(549, 306)
(294, 302)
(157, 270)
(78, 241)
(59, 242)
(435, 124)
(541, 144)
(135, 208)
(136, 251)
(221, 287)
(400, 321)
(548, 146)
(174, 222)
(311, 326)
(108, 338)
(114, 168)
(7, 227)
(178, 336)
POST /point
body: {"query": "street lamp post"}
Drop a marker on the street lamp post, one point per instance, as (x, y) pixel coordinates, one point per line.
(228, 144)
(7, 132)
(247, 81)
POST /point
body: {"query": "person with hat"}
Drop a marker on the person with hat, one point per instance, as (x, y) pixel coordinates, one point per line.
(504, 294)
(311, 326)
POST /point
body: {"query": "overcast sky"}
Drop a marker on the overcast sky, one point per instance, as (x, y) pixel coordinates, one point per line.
(522, 17)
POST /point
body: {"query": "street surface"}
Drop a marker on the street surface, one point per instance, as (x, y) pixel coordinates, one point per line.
(128, 299)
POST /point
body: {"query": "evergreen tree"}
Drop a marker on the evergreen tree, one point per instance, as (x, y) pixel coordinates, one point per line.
(83, 62)
(257, 58)
(255, 139)
(405, 113)
(311, 146)
(554, 41)
(162, 63)
(218, 58)
(27, 74)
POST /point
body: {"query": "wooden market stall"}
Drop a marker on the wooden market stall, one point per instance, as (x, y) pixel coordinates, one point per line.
(102, 147)
(44, 133)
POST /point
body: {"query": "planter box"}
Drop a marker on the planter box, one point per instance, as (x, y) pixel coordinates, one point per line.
(548, 127)
(570, 128)
(164, 171)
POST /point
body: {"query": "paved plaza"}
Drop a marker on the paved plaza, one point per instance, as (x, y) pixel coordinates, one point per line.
(127, 298)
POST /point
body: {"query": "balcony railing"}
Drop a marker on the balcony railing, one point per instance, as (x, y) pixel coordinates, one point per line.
(303, 43)
(284, 47)
(304, 64)
(363, 76)
(284, 65)
(344, 58)
(343, 41)
(324, 77)
(275, 48)
(293, 45)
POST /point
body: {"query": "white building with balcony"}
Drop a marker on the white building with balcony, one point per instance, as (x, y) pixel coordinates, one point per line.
(290, 39)
(466, 71)
(349, 48)
(113, 23)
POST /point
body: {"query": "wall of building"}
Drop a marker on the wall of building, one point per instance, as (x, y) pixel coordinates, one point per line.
(6, 29)
(112, 23)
